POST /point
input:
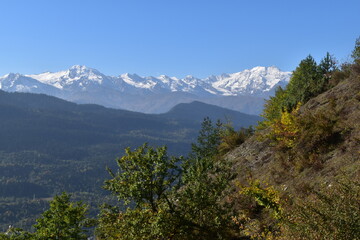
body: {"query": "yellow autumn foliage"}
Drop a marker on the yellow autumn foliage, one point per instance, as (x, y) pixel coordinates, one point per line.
(285, 130)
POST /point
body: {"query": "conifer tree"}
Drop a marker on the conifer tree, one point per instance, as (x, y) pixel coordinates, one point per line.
(304, 82)
(356, 52)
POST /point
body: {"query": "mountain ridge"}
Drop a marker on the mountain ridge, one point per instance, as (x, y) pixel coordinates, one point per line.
(82, 84)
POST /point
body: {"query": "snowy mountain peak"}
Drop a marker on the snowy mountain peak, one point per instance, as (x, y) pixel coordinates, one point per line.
(256, 81)
(78, 71)
(76, 75)
(12, 76)
(78, 79)
(79, 67)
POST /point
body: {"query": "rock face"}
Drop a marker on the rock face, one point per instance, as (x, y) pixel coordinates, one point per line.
(262, 160)
(242, 91)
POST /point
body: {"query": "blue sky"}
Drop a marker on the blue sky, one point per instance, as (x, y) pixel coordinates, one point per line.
(172, 37)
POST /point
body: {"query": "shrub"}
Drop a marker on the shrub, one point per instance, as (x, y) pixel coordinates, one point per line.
(230, 138)
(261, 212)
(284, 131)
(333, 212)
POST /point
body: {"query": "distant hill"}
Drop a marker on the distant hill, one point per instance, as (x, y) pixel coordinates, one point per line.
(44, 122)
(195, 111)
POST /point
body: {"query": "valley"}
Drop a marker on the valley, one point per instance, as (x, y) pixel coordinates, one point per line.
(49, 145)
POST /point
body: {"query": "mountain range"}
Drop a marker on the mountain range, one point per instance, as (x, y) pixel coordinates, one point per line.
(243, 91)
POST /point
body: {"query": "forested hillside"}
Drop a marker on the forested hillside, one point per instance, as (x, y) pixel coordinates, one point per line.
(48, 145)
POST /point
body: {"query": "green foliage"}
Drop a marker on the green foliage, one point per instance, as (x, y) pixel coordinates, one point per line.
(356, 52)
(304, 83)
(138, 223)
(145, 181)
(144, 176)
(16, 234)
(327, 68)
(205, 180)
(64, 220)
(204, 214)
(307, 81)
(169, 199)
(333, 212)
(273, 108)
(208, 140)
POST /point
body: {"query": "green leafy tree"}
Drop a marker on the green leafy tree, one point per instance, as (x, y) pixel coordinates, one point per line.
(64, 220)
(205, 181)
(144, 176)
(144, 182)
(167, 197)
(204, 214)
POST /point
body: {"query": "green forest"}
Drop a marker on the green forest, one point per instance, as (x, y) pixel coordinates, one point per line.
(295, 176)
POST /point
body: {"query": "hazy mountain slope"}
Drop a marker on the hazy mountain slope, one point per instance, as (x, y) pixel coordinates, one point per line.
(196, 111)
(245, 104)
(65, 130)
(46, 122)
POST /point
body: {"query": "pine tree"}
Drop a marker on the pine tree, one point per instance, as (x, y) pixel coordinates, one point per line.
(208, 140)
(326, 67)
(356, 52)
(304, 83)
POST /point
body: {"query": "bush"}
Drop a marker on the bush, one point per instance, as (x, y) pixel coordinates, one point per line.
(260, 213)
(230, 138)
(333, 212)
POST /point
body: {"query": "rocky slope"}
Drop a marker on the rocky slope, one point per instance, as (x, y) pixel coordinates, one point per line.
(297, 170)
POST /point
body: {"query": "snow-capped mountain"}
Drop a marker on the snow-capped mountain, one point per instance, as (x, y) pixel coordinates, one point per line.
(258, 81)
(130, 91)
(77, 78)
(15, 82)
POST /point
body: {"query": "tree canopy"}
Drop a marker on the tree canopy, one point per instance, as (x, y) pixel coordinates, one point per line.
(64, 220)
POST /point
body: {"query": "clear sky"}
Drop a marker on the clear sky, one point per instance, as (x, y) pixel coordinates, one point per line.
(173, 37)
